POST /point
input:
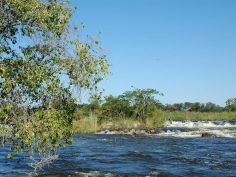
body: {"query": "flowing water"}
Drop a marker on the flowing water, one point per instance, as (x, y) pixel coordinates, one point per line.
(183, 148)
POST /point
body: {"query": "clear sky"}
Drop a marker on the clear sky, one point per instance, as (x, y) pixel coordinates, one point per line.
(183, 48)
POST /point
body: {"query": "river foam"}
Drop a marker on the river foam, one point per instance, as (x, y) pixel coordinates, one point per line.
(184, 129)
(192, 129)
(201, 124)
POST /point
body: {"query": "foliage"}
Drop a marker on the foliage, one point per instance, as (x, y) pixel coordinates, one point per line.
(142, 101)
(231, 104)
(87, 124)
(132, 109)
(158, 118)
(193, 107)
(136, 104)
(120, 112)
(115, 108)
(36, 52)
(181, 115)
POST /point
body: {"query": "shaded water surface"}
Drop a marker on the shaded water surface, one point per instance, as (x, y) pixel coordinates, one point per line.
(154, 155)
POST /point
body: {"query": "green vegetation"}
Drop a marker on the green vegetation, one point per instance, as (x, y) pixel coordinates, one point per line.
(140, 109)
(180, 115)
(132, 109)
(138, 104)
(201, 107)
(38, 48)
(92, 125)
(231, 104)
(194, 107)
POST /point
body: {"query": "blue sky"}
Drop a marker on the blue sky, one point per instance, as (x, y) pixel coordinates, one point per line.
(183, 48)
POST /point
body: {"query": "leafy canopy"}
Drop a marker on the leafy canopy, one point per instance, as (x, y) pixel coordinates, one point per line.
(37, 50)
(138, 104)
(143, 101)
(231, 104)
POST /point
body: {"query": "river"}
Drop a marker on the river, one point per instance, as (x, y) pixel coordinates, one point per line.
(183, 148)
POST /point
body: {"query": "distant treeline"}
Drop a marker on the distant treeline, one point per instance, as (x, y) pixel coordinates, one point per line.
(201, 107)
(140, 104)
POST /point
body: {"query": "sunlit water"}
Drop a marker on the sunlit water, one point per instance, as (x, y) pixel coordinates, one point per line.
(178, 150)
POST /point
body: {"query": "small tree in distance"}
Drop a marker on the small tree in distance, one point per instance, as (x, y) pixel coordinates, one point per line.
(231, 104)
(143, 101)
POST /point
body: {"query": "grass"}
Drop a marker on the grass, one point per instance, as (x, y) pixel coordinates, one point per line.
(90, 124)
(86, 125)
(178, 115)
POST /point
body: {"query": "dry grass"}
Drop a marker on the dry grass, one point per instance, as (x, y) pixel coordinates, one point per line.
(90, 124)
(199, 115)
(86, 125)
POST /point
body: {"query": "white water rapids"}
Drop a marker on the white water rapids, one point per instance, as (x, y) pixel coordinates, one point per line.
(188, 129)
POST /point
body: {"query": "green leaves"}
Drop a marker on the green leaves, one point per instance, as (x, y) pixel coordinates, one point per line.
(87, 68)
(142, 100)
(36, 107)
(137, 104)
(9, 156)
(231, 104)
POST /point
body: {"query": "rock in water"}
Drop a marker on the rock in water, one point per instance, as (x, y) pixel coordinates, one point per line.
(208, 135)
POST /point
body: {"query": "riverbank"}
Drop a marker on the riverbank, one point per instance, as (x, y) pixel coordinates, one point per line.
(91, 124)
(123, 126)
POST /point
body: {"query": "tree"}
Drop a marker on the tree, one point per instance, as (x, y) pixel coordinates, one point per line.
(115, 108)
(211, 107)
(143, 101)
(36, 52)
(231, 104)
(194, 107)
